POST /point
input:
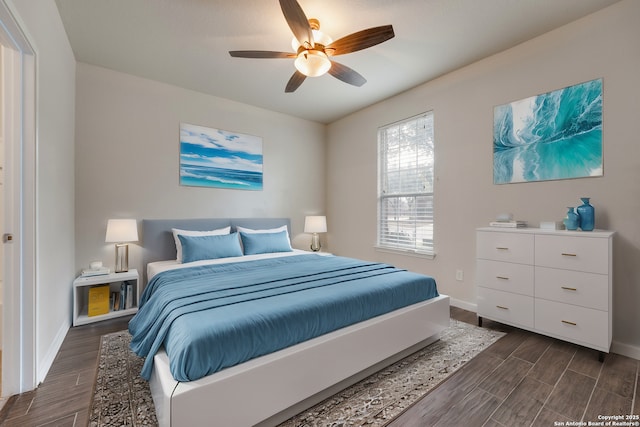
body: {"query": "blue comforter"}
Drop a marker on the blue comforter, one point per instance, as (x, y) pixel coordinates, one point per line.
(212, 317)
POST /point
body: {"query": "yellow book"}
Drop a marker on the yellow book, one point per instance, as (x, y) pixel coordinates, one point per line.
(98, 300)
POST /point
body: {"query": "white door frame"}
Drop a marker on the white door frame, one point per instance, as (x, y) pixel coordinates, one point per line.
(19, 284)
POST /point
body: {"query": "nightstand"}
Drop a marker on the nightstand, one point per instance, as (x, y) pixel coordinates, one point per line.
(115, 281)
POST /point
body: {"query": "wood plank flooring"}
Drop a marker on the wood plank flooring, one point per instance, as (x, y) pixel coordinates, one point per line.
(524, 379)
(63, 399)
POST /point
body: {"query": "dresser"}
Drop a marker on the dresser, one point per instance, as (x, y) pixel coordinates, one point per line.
(556, 283)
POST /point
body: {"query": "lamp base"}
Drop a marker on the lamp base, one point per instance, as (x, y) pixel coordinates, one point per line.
(315, 242)
(122, 258)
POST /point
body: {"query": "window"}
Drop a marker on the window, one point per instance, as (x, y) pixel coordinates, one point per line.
(405, 187)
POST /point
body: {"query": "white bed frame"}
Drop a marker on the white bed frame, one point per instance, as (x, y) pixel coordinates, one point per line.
(270, 389)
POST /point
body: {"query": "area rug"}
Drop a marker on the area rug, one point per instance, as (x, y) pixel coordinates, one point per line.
(122, 398)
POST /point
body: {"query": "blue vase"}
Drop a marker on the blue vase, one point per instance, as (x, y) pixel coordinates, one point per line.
(587, 215)
(572, 221)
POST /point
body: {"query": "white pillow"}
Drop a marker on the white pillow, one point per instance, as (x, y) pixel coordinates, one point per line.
(177, 232)
(266, 230)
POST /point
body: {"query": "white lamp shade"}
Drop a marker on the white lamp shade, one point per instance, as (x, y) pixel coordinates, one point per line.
(122, 230)
(318, 37)
(312, 63)
(315, 224)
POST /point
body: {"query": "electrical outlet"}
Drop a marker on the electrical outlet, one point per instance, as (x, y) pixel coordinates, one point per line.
(459, 275)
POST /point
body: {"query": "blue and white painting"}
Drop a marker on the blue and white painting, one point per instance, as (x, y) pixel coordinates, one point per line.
(556, 135)
(217, 158)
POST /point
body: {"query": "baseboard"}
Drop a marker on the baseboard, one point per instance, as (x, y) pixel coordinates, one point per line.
(623, 349)
(463, 305)
(45, 364)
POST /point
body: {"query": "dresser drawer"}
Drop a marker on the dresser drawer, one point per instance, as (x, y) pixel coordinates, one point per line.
(505, 246)
(573, 253)
(573, 287)
(580, 325)
(505, 276)
(507, 307)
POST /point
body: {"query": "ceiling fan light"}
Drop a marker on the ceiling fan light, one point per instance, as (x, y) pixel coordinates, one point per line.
(318, 37)
(312, 63)
(295, 44)
(321, 38)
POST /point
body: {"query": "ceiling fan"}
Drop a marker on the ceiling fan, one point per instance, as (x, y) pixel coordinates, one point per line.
(314, 48)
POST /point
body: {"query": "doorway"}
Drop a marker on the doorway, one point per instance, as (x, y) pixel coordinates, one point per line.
(17, 219)
(2, 207)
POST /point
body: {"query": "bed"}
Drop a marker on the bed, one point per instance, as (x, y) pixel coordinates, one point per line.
(269, 387)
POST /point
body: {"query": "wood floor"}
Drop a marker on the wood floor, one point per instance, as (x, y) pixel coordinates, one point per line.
(523, 379)
(63, 399)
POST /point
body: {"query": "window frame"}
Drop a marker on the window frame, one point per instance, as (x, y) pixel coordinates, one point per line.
(420, 201)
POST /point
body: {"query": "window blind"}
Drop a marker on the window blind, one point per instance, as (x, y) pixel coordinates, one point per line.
(405, 189)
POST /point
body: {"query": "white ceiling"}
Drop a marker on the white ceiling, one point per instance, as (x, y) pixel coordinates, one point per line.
(186, 43)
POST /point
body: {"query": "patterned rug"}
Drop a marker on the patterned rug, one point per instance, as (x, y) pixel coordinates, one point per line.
(122, 398)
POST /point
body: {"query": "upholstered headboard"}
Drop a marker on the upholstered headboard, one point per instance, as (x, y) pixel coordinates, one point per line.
(157, 238)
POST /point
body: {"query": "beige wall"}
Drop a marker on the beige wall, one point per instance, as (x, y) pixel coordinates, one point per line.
(606, 45)
(127, 148)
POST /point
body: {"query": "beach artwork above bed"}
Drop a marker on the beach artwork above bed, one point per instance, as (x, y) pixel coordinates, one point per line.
(555, 135)
(218, 158)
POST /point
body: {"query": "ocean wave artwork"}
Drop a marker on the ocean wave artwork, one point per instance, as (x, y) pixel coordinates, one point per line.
(556, 135)
(218, 158)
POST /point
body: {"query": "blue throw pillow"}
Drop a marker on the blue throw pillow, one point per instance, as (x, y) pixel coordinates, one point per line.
(263, 243)
(196, 248)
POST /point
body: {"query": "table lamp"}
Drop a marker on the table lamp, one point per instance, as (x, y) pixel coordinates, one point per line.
(315, 224)
(121, 231)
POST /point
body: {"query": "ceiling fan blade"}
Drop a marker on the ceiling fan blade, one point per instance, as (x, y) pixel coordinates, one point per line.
(346, 74)
(295, 81)
(360, 40)
(260, 54)
(297, 21)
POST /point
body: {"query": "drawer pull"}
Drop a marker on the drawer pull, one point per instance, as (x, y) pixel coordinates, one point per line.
(502, 278)
(502, 308)
(568, 289)
(569, 323)
(568, 254)
(502, 249)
